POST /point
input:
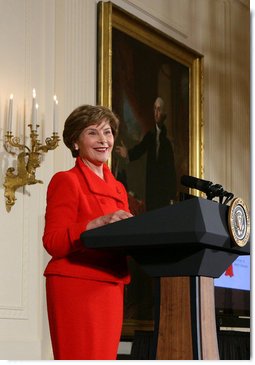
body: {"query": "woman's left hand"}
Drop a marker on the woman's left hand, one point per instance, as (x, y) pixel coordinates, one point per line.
(109, 218)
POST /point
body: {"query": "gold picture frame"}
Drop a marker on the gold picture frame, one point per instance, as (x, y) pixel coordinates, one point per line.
(116, 24)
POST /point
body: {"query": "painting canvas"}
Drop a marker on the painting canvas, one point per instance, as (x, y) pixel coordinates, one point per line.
(141, 76)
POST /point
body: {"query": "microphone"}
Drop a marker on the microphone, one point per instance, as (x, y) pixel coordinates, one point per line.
(207, 187)
(195, 183)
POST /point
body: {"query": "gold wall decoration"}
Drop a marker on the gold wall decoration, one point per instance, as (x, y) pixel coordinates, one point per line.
(29, 157)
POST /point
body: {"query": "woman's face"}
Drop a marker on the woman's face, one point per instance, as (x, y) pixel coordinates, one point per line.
(95, 143)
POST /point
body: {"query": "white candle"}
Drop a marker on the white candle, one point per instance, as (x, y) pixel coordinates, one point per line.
(33, 111)
(9, 124)
(55, 115)
(36, 114)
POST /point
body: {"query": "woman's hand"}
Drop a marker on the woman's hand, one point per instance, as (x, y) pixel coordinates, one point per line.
(109, 218)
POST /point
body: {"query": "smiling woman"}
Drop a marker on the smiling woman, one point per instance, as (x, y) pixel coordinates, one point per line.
(85, 287)
(95, 145)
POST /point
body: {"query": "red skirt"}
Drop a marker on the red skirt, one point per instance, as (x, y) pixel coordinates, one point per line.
(85, 318)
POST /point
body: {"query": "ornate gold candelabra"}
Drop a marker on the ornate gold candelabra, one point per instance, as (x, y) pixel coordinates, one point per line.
(28, 161)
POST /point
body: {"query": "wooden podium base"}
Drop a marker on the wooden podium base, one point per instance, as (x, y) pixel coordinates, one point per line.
(187, 325)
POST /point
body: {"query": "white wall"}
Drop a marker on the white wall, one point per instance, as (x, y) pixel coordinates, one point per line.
(50, 45)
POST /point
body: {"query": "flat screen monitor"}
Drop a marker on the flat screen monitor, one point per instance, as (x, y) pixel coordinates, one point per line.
(232, 289)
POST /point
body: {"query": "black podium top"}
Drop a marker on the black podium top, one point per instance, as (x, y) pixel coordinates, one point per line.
(188, 238)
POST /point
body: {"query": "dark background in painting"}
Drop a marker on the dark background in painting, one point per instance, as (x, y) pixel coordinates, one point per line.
(140, 74)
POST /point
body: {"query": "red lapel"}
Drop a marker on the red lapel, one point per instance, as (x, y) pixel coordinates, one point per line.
(107, 187)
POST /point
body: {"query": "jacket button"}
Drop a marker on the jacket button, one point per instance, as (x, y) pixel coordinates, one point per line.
(118, 190)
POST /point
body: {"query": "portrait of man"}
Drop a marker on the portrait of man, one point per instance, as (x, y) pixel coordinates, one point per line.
(160, 180)
(150, 94)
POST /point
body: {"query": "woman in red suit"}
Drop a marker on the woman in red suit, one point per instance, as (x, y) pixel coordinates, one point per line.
(84, 287)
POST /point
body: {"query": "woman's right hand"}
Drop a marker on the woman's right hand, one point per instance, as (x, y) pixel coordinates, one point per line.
(109, 218)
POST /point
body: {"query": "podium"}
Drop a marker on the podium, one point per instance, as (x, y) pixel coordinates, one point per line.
(185, 246)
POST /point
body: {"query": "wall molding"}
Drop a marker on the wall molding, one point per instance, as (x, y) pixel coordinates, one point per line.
(176, 23)
(20, 310)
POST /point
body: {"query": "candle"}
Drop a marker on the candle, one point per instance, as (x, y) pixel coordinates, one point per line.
(34, 111)
(9, 125)
(55, 115)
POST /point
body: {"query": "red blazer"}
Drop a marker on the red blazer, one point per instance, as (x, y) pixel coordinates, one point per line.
(74, 198)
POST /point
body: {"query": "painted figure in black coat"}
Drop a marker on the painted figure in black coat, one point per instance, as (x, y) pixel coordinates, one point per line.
(160, 165)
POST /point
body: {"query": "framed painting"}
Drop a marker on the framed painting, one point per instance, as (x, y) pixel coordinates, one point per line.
(154, 85)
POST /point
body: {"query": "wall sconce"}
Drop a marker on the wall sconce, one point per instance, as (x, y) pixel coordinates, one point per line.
(28, 160)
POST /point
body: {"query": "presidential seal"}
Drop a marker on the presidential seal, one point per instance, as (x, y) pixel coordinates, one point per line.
(239, 222)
